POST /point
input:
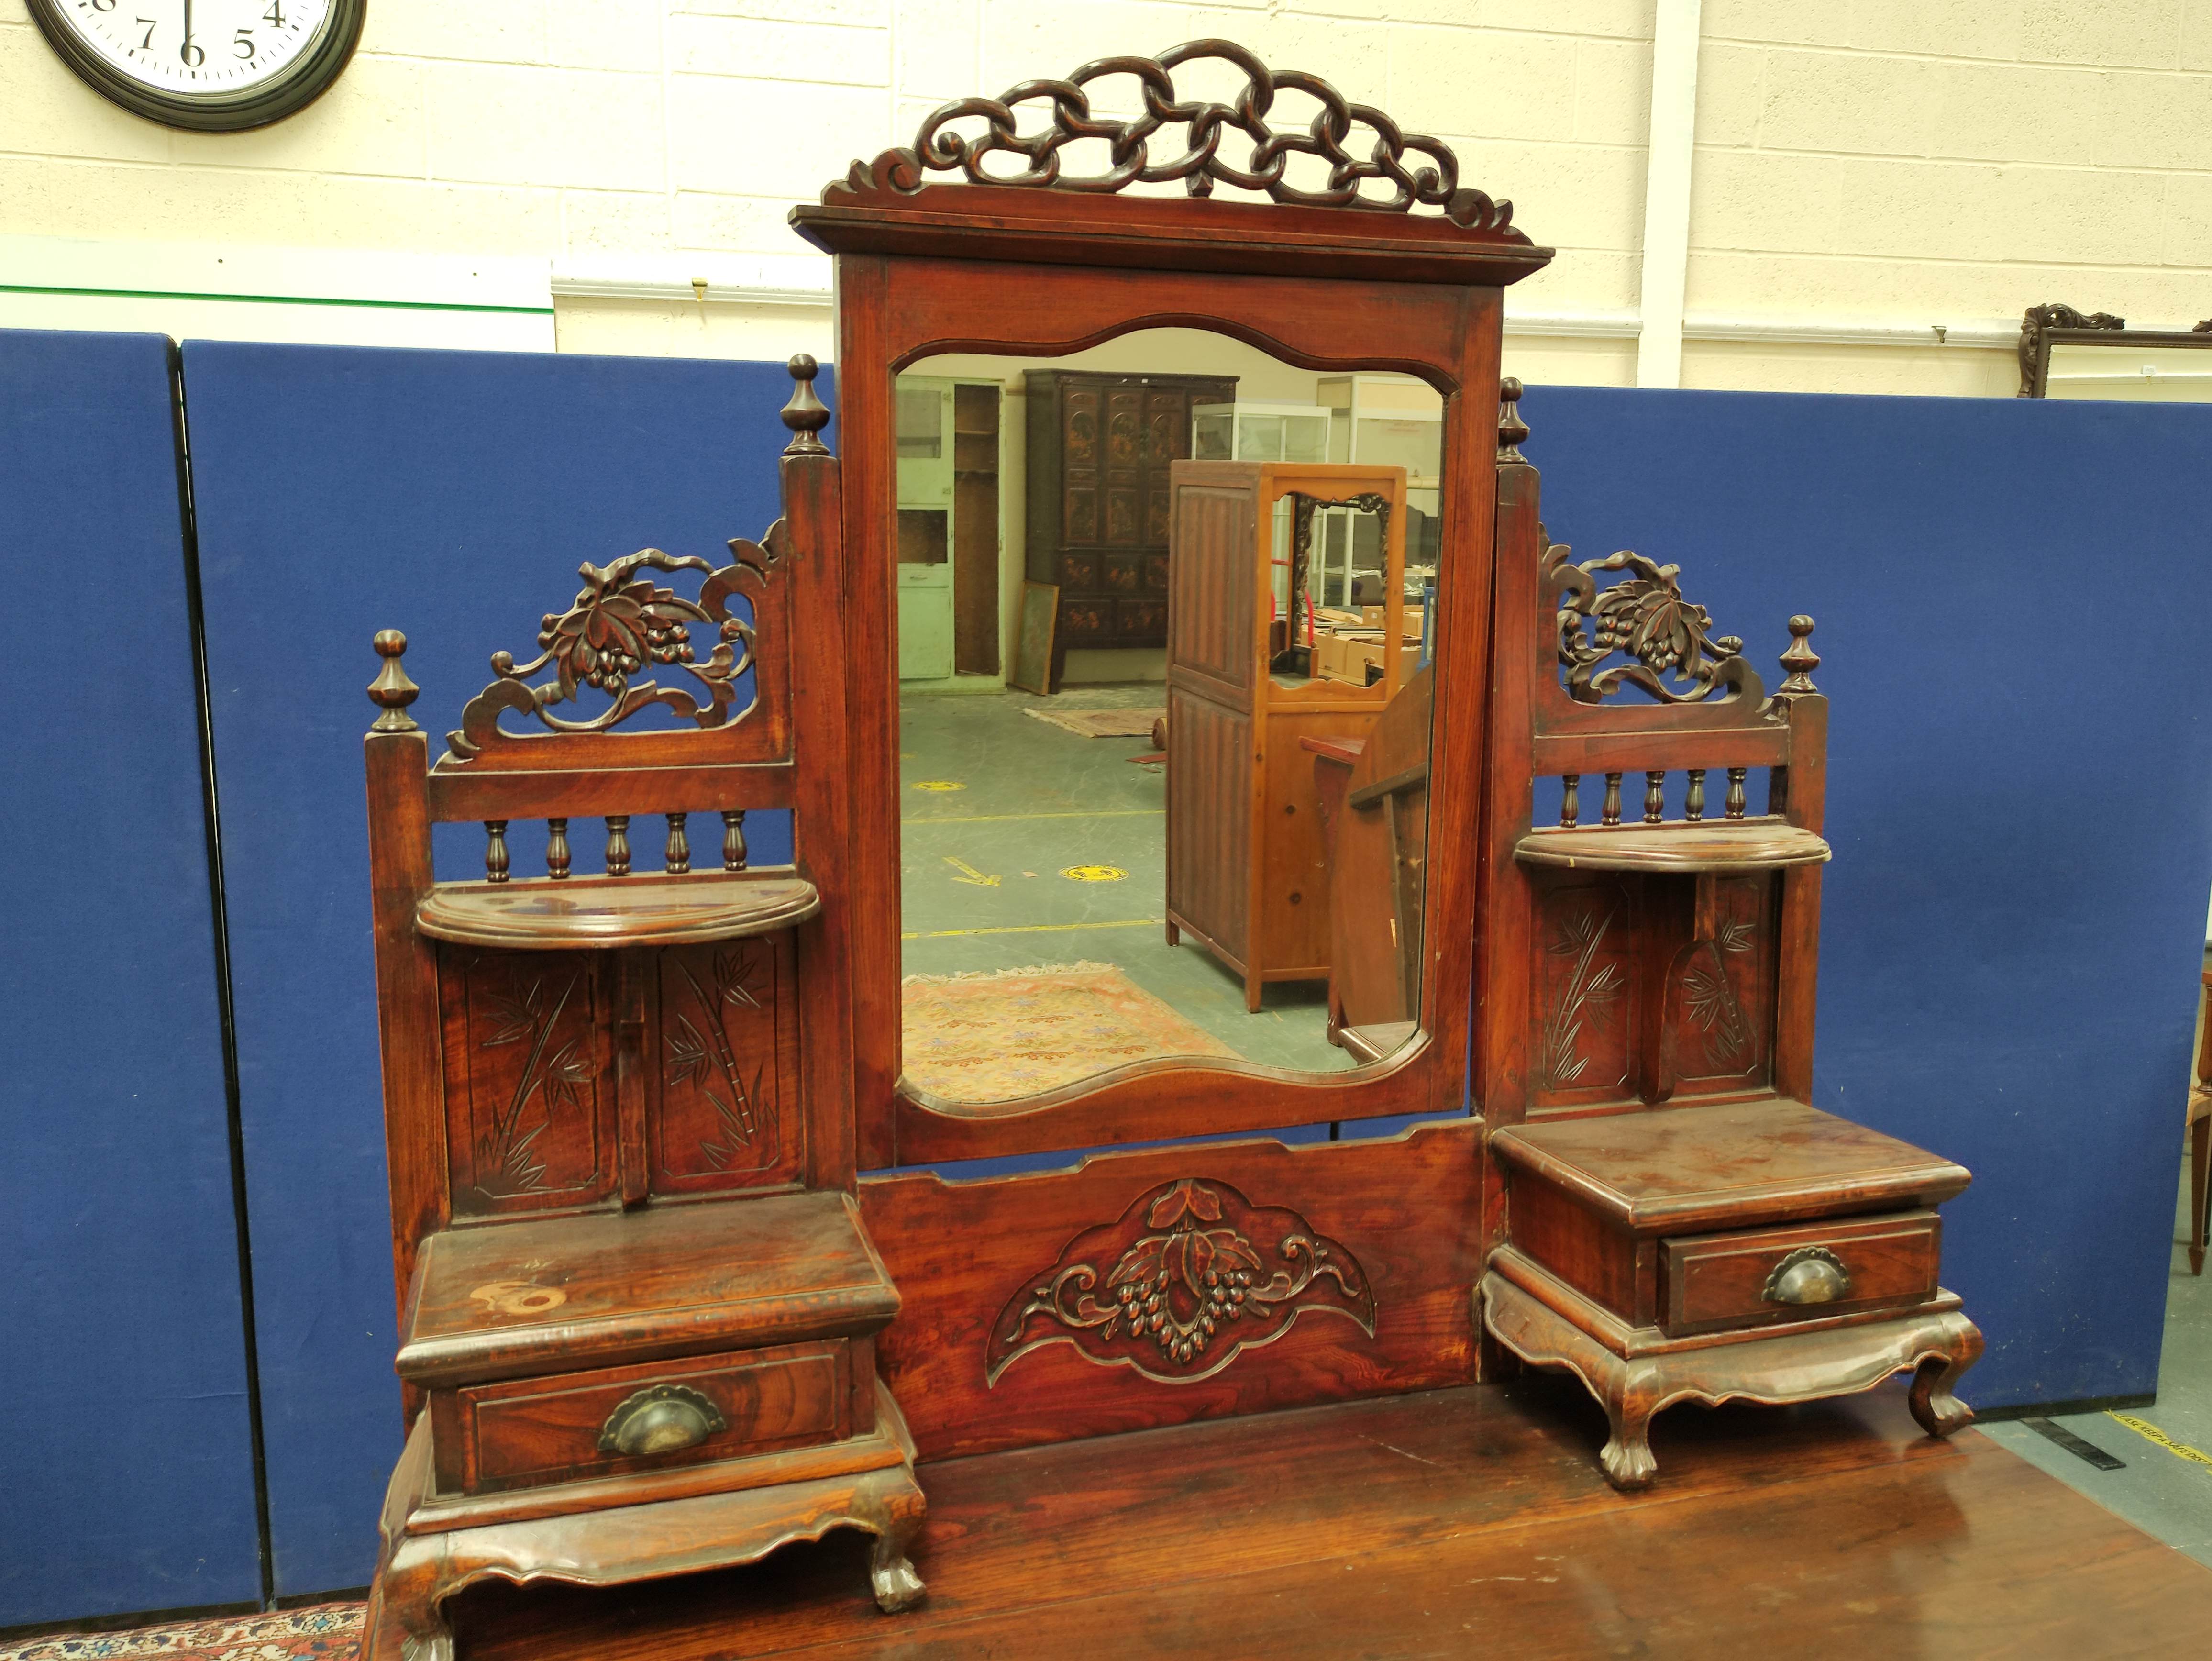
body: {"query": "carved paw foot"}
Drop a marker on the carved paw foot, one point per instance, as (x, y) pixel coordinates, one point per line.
(1938, 1411)
(898, 1586)
(1628, 1463)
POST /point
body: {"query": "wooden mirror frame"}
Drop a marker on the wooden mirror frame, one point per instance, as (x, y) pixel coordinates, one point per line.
(1041, 267)
(2044, 326)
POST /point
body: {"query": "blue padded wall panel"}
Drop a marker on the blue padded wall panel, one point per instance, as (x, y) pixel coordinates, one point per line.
(2020, 794)
(129, 1468)
(451, 495)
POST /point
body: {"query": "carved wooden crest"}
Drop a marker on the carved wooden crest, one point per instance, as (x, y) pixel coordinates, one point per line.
(1645, 619)
(1188, 1276)
(1360, 144)
(621, 623)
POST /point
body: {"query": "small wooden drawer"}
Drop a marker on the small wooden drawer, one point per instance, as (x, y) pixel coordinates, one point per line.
(522, 1432)
(1758, 1277)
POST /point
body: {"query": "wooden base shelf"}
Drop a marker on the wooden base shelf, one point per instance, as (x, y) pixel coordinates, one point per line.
(609, 912)
(1760, 845)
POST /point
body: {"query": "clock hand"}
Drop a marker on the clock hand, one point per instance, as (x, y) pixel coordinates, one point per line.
(188, 27)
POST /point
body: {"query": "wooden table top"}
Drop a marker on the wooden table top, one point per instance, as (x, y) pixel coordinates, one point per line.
(494, 1300)
(1677, 1169)
(1457, 1523)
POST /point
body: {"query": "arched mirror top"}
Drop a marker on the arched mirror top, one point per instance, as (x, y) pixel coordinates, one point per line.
(1283, 175)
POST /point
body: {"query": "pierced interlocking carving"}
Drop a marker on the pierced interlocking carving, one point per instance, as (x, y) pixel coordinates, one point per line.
(1431, 181)
(619, 624)
(1189, 1276)
(1676, 657)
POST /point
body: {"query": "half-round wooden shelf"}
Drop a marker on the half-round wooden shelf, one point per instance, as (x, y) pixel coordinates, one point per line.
(614, 911)
(1760, 845)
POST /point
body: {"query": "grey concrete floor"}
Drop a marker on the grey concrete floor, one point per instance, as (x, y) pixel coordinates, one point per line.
(2161, 1491)
(1024, 845)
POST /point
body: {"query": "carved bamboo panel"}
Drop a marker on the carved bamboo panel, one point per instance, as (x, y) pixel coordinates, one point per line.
(1588, 1027)
(529, 1095)
(722, 1106)
(1719, 1011)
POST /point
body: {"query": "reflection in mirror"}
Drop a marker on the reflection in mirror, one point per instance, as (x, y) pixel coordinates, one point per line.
(2132, 371)
(1207, 840)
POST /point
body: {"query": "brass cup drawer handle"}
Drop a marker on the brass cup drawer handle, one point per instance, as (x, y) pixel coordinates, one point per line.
(1811, 1275)
(660, 1419)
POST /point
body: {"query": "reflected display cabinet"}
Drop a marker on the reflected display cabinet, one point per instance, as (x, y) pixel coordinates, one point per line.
(1248, 876)
(1681, 1223)
(638, 1306)
(1099, 449)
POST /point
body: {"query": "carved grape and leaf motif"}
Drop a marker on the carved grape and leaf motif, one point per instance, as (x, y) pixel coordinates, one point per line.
(1675, 656)
(527, 1010)
(1189, 1276)
(707, 1060)
(620, 623)
(1415, 170)
(1593, 988)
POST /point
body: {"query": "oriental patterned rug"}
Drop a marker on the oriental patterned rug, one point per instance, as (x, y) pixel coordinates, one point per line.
(992, 1038)
(1102, 723)
(324, 1630)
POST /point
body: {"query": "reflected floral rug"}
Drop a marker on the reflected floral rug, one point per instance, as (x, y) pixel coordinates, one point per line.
(1102, 723)
(323, 1629)
(996, 1037)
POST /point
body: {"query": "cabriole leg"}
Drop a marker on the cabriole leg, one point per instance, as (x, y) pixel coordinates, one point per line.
(1626, 1457)
(1937, 1410)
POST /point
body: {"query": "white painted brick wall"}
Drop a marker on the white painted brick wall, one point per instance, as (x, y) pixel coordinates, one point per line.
(1961, 157)
(1888, 157)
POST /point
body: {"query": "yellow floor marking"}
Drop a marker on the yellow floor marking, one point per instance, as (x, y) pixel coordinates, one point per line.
(2151, 1432)
(1094, 873)
(936, 784)
(1033, 928)
(1007, 818)
(970, 875)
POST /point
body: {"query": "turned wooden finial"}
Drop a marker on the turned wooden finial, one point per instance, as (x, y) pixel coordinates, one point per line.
(805, 415)
(1511, 430)
(1801, 659)
(392, 692)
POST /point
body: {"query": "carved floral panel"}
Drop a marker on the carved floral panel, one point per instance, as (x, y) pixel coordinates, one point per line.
(528, 1097)
(717, 1091)
(1174, 1288)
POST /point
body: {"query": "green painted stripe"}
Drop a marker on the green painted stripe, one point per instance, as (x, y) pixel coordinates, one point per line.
(275, 300)
(1033, 928)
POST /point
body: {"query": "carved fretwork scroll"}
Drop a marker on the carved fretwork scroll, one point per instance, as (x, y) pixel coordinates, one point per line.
(1675, 657)
(622, 623)
(1431, 179)
(1188, 1276)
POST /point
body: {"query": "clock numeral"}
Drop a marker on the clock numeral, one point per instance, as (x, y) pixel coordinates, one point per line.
(274, 14)
(190, 53)
(146, 42)
(103, 5)
(242, 43)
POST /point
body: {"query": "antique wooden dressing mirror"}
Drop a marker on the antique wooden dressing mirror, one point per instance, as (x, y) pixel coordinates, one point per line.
(1378, 260)
(724, 1372)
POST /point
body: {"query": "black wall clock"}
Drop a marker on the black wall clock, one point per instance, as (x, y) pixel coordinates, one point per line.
(214, 65)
